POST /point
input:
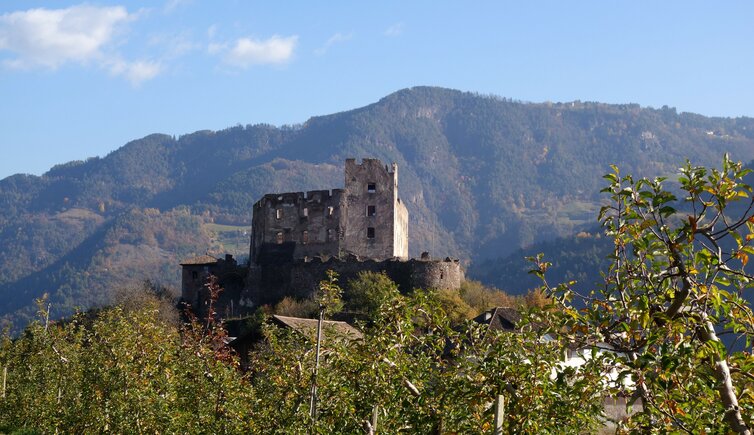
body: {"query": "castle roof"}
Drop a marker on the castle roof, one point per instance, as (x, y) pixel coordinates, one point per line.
(500, 318)
(308, 327)
(199, 261)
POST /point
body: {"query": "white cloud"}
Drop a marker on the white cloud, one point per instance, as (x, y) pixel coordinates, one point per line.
(174, 45)
(334, 39)
(135, 72)
(246, 51)
(394, 30)
(215, 48)
(172, 5)
(83, 34)
(52, 37)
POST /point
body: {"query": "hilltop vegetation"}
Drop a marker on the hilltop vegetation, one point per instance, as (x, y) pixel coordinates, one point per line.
(481, 176)
(127, 367)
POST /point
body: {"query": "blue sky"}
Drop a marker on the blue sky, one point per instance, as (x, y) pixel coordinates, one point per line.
(82, 79)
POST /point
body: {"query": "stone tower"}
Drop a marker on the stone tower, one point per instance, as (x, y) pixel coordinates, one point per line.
(366, 219)
(376, 219)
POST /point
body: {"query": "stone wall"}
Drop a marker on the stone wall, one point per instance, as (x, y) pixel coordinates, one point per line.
(400, 226)
(371, 191)
(300, 279)
(293, 225)
(230, 276)
(366, 218)
(436, 274)
(297, 237)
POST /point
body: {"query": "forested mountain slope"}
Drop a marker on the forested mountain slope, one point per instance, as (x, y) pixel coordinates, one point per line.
(481, 176)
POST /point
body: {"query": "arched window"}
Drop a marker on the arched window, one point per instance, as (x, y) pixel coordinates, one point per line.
(279, 238)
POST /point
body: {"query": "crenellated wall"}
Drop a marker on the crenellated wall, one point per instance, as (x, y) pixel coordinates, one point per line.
(297, 237)
(300, 279)
(293, 225)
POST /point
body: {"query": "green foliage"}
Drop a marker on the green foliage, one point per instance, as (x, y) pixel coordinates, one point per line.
(369, 292)
(328, 296)
(480, 297)
(454, 306)
(423, 376)
(122, 371)
(675, 286)
(304, 308)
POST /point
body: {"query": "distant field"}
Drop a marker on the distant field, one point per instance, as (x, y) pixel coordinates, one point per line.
(579, 212)
(229, 239)
(225, 228)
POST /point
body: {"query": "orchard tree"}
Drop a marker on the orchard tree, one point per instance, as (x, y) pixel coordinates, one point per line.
(676, 285)
(413, 372)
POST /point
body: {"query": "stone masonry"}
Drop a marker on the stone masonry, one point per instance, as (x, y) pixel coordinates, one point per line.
(296, 237)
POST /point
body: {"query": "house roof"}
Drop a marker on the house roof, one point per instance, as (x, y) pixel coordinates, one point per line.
(308, 327)
(500, 319)
(200, 260)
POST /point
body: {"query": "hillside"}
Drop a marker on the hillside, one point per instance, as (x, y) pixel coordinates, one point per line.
(481, 176)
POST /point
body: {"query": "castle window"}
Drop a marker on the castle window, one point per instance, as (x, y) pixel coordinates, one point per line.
(330, 235)
(306, 212)
(371, 210)
(279, 213)
(279, 238)
(371, 188)
(370, 233)
(305, 237)
(194, 275)
(442, 274)
(330, 210)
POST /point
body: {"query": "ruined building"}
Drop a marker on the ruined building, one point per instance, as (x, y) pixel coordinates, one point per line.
(366, 219)
(296, 237)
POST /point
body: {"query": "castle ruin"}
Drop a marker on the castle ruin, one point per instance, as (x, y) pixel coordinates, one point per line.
(366, 219)
(296, 237)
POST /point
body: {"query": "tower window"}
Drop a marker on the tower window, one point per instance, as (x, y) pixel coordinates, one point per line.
(194, 275)
(370, 233)
(371, 210)
(371, 187)
(279, 213)
(305, 237)
(279, 238)
(306, 212)
(330, 235)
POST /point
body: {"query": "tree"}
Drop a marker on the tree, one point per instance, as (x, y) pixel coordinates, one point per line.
(121, 370)
(368, 292)
(674, 287)
(413, 372)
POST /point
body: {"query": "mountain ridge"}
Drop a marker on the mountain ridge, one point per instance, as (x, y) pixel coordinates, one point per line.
(482, 177)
